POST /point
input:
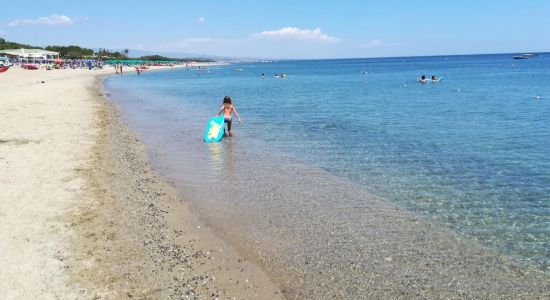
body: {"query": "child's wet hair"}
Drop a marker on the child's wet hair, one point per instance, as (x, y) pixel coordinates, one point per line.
(227, 99)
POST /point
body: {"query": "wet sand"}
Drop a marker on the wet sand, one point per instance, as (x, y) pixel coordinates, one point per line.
(85, 217)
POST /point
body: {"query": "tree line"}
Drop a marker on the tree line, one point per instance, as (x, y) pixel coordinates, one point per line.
(77, 52)
(12, 45)
(71, 51)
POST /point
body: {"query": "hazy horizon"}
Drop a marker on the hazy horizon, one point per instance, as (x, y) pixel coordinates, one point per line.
(288, 30)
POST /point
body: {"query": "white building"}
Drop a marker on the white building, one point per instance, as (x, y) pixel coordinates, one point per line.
(29, 55)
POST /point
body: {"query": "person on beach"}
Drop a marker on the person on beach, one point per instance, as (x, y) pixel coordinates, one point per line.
(227, 109)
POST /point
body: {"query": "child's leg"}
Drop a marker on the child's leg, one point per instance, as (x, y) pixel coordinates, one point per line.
(229, 127)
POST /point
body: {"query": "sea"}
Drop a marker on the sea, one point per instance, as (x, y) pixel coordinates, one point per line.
(470, 152)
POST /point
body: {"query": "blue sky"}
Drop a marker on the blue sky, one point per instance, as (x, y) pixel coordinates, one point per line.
(287, 29)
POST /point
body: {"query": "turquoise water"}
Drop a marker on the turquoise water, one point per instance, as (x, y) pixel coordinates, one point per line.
(471, 151)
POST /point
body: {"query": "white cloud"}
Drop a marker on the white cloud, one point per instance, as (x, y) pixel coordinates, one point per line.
(54, 19)
(201, 20)
(2, 31)
(294, 33)
(372, 44)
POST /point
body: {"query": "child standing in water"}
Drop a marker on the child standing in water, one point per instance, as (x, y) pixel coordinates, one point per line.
(228, 108)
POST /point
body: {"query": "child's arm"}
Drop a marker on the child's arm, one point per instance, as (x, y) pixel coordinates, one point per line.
(236, 114)
(220, 112)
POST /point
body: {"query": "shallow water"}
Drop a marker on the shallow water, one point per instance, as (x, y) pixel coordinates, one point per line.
(470, 151)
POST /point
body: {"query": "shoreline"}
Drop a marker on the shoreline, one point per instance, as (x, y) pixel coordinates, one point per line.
(104, 225)
(120, 231)
(389, 252)
(178, 255)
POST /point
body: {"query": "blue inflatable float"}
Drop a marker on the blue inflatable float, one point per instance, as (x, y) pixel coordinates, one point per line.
(214, 130)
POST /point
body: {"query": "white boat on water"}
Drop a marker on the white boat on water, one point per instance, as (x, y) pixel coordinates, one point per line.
(525, 56)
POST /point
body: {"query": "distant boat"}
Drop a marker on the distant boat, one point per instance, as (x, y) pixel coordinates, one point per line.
(239, 70)
(525, 56)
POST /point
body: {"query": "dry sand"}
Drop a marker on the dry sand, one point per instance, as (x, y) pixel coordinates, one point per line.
(84, 216)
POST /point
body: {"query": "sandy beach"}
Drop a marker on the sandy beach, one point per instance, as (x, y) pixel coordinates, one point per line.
(275, 150)
(85, 217)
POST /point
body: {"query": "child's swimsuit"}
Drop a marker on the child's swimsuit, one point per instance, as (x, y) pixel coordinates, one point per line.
(227, 120)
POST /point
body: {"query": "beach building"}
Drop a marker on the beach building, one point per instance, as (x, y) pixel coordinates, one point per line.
(29, 55)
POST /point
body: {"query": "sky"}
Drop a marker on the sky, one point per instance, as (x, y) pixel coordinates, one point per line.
(286, 29)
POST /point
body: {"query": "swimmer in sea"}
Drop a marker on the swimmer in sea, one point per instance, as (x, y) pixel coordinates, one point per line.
(422, 79)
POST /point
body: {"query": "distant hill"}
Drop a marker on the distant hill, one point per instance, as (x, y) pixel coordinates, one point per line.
(178, 55)
(195, 56)
(73, 51)
(12, 45)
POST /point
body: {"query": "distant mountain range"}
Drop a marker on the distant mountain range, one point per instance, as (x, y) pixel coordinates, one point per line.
(140, 53)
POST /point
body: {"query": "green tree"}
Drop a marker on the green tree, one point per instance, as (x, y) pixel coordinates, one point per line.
(11, 45)
(73, 52)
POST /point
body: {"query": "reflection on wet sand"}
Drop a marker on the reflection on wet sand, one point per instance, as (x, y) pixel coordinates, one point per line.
(228, 164)
(221, 160)
(215, 157)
